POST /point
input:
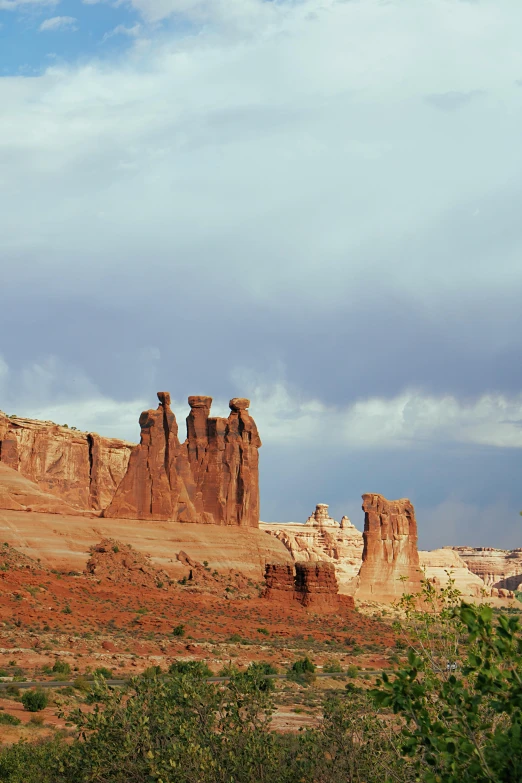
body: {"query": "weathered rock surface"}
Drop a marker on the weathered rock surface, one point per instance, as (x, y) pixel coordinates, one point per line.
(84, 469)
(117, 562)
(498, 568)
(19, 494)
(313, 585)
(211, 478)
(439, 564)
(321, 538)
(279, 577)
(390, 561)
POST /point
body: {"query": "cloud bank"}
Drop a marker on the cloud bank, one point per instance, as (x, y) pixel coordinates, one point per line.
(315, 203)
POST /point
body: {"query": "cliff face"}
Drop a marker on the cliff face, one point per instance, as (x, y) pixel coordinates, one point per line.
(82, 468)
(321, 538)
(390, 562)
(212, 477)
(498, 568)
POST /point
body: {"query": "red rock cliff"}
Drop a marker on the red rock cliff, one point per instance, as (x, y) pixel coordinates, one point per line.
(212, 477)
(82, 468)
(390, 549)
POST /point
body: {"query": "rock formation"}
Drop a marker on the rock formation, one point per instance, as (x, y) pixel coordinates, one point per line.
(212, 477)
(279, 578)
(439, 564)
(498, 568)
(82, 468)
(313, 585)
(321, 538)
(390, 561)
(19, 494)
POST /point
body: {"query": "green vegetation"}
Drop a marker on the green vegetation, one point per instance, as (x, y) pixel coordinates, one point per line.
(61, 667)
(450, 713)
(9, 720)
(178, 630)
(302, 671)
(35, 700)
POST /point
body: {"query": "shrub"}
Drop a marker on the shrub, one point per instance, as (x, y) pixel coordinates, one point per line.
(332, 667)
(302, 671)
(9, 720)
(195, 669)
(352, 670)
(35, 700)
(463, 724)
(61, 667)
(102, 671)
(264, 631)
(178, 630)
(235, 638)
(82, 684)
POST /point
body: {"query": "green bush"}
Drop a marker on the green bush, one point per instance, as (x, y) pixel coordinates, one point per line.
(35, 700)
(102, 671)
(178, 630)
(195, 669)
(302, 671)
(9, 720)
(61, 667)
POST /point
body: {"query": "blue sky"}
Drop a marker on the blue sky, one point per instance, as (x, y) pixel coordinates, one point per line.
(313, 203)
(81, 31)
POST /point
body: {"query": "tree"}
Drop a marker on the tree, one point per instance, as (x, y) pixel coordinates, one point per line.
(460, 693)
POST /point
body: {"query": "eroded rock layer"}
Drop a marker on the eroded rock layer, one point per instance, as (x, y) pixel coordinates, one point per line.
(390, 561)
(84, 469)
(313, 585)
(211, 478)
(498, 568)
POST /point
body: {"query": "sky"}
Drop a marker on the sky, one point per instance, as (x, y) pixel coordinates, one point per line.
(312, 203)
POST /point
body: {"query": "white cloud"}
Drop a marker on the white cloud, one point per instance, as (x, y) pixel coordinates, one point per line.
(409, 420)
(49, 389)
(16, 5)
(121, 29)
(58, 23)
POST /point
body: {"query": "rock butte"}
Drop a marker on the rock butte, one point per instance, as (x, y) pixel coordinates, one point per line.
(211, 478)
(313, 585)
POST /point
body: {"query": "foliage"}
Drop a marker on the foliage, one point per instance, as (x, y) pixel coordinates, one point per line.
(61, 667)
(179, 630)
(333, 667)
(194, 669)
(9, 720)
(460, 692)
(302, 671)
(35, 700)
(102, 671)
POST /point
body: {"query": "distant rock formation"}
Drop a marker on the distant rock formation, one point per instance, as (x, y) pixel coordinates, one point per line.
(390, 561)
(84, 469)
(313, 585)
(211, 478)
(321, 538)
(499, 569)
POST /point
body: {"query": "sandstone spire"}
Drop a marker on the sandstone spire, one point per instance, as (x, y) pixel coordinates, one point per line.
(390, 565)
(212, 477)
